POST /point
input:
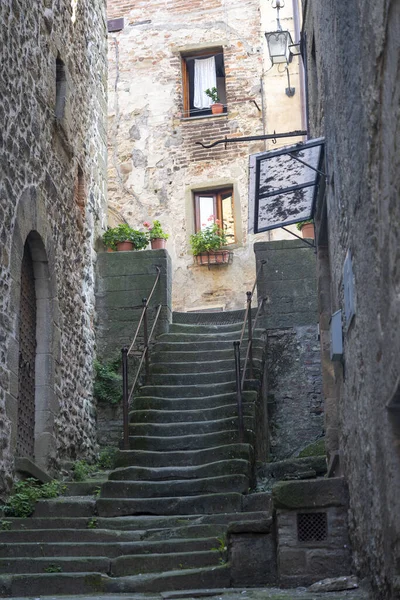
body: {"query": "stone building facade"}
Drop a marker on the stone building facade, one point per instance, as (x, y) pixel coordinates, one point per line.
(156, 167)
(354, 96)
(52, 198)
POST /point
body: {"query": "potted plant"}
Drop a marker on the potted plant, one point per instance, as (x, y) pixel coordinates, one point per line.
(207, 243)
(156, 235)
(306, 228)
(216, 107)
(123, 237)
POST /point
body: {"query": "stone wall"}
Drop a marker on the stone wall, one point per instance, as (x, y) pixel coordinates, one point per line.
(123, 280)
(287, 281)
(52, 189)
(355, 105)
(154, 161)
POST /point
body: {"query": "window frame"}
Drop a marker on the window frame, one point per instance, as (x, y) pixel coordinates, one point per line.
(217, 194)
(204, 53)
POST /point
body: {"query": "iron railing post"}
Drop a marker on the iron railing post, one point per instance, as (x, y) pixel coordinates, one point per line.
(146, 341)
(125, 394)
(236, 346)
(250, 328)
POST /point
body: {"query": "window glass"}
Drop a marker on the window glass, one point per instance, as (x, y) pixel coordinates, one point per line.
(215, 205)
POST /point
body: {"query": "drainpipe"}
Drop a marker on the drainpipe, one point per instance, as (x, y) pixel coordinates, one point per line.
(296, 21)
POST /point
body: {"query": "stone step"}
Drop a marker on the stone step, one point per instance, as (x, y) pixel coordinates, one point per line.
(167, 489)
(69, 535)
(192, 379)
(201, 345)
(183, 429)
(62, 564)
(153, 563)
(214, 336)
(98, 583)
(186, 391)
(78, 506)
(82, 488)
(188, 416)
(144, 458)
(205, 355)
(214, 469)
(189, 442)
(141, 523)
(110, 549)
(190, 531)
(170, 366)
(185, 505)
(210, 329)
(159, 400)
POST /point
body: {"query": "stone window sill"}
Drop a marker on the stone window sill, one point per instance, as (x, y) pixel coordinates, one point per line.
(202, 117)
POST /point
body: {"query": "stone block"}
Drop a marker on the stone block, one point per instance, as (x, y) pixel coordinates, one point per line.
(318, 493)
(252, 559)
(291, 561)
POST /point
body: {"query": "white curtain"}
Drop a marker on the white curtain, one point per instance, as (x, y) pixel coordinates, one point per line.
(204, 78)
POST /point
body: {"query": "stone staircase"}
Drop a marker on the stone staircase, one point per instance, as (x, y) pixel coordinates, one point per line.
(161, 520)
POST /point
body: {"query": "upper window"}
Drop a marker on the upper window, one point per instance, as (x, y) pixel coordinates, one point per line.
(215, 205)
(203, 70)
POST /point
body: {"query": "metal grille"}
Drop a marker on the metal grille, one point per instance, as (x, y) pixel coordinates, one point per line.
(27, 353)
(312, 527)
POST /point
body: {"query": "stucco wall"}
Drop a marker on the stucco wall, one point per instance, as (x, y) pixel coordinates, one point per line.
(356, 106)
(154, 163)
(39, 163)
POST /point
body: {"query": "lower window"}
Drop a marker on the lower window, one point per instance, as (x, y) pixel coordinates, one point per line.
(215, 205)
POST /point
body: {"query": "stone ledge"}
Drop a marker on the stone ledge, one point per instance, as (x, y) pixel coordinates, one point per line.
(237, 527)
(27, 467)
(310, 494)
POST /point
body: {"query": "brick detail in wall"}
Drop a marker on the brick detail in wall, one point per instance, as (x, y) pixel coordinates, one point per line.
(144, 9)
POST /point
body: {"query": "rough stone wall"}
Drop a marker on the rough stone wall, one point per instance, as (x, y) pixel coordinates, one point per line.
(154, 161)
(357, 109)
(52, 181)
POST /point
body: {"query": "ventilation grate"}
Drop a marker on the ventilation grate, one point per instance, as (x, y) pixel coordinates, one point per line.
(312, 527)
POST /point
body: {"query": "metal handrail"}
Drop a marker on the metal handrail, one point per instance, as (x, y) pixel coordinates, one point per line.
(249, 351)
(126, 393)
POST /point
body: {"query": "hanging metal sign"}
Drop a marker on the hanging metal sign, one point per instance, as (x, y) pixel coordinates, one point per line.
(284, 185)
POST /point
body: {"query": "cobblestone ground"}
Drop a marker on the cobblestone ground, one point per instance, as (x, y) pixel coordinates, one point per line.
(237, 594)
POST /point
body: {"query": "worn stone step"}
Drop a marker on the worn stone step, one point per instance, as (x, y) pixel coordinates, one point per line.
(167, 398)
(217, 335)
(188, 442)
(200, 367)
(110, 549)
(136, 564)
(191, 531)
(98, 564)
(83, 488)
(99, 583)
(69, 535)
(192, 379)
(210, 329)
(214, 469)
(149, 458)
(175, 356)
(187, 416)
(79, 506)
(185, 505)
(201, 345)
(167, 489)
(182, 429)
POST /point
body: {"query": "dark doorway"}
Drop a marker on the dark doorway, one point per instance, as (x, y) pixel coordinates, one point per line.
(27, 356)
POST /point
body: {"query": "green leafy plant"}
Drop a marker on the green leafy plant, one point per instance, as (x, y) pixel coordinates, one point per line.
(213, 94)
(5, 525)
(53, 569)
(82, 470)
(25, 494)
(108, 381)
(92, 523)
(107, 457)
(124, 233)
(301, 224)
(209, 239)
(155, 231)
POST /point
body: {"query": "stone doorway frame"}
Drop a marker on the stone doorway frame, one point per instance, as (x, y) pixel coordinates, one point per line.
(32, 226)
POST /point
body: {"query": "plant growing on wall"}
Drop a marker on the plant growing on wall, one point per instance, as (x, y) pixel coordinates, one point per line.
(25, 494)
(209, 239)
(108, 381)
(155, 231)
(124, 233)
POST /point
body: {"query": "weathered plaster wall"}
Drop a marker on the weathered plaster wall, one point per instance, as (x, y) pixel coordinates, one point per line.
(39, 163)
(154, 163)
(356, 106)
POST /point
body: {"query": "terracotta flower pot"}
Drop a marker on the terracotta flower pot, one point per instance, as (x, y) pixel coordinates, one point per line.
(307, 231)
(124, 246)
(213, 258)
(158, 243)
(217, 108)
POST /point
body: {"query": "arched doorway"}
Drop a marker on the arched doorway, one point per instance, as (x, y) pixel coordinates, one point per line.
(25, 446)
